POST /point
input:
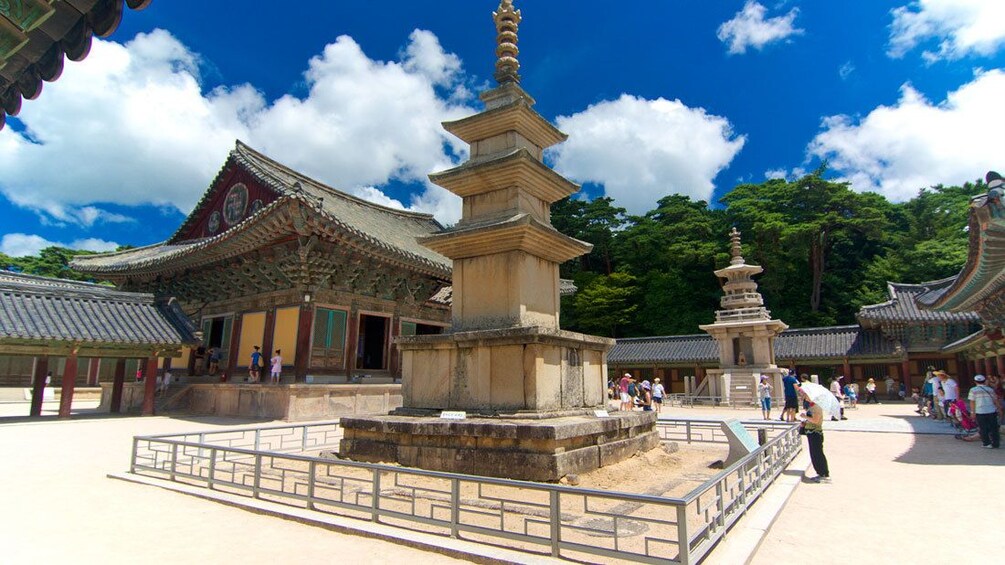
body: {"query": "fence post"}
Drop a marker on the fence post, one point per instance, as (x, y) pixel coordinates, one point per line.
(375, 503)
(721, 499)
(212, 467)
(556, 523)
(132, 462)
(303, 440)
(310, 482)
(258, 438)
(683, 541)
(174, 461)
(688, 426)
(258, 471)
(455, 506)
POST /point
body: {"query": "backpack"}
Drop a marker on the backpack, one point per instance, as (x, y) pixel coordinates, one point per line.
(632, 390)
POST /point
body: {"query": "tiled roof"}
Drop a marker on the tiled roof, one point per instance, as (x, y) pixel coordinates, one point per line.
(37, 308)
(36, 36)
(386, 230)
(833, 342)
(903, 306)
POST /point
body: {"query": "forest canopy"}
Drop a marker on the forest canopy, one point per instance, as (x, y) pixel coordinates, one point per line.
(826, 251)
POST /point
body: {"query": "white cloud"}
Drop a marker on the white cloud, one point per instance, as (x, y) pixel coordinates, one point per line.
(846, 70)
(897, 150)
(22, 244)
(961, 27)
(131, 125)
(642, 150)
(748, 28)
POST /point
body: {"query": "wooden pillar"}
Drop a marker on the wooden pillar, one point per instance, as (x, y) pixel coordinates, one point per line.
(352, 344)
(235, 348)
(905, 370)
(93, 365)
(1000, 365)
(268, 333)
(149, 386)
(987, 366)
(394, 359)
(302, 360)
(846, 369)
(69, 383)
(38, 384)
(167, 364)
(191, 360)
(118, 380)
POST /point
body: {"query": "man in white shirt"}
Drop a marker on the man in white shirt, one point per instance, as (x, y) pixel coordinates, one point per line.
(984, 405)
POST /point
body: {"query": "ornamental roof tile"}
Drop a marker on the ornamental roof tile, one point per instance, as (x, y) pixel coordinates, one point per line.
(903, 306)
(833, 342)
(36, 308)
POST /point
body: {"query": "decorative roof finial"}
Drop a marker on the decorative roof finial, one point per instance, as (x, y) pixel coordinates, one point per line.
(507, 21)
(735, 247)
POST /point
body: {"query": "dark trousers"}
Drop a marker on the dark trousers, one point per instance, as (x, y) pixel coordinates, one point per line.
(871, 398)
(816, 441)
(988, 425)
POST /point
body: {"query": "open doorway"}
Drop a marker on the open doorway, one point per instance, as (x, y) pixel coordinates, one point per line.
(371, 352)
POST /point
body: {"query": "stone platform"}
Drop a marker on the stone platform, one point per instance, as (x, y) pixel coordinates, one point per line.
(544, 449)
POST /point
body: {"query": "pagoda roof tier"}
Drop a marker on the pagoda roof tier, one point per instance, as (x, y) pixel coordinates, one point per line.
(516, 116)
(514, 168)
(303, 207)
(733, 271)
(978, 286)
(45, 312)
(521, 232)
(36, 36)
(903, 307)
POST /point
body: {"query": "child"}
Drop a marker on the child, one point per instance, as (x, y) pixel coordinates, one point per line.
(277, 368)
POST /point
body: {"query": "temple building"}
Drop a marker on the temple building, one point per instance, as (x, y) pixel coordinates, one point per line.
(272, 258)
(74, 332)
(980, 285)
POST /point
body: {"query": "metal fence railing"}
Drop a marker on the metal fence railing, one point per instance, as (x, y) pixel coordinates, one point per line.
(268, 463)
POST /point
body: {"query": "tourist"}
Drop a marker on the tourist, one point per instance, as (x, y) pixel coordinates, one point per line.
(277, 367)
(764, 394)
(836, 391)
(935, 405)
(626, 399)
(214, 360)
(891, 388)
(986, 407)
(851, 391)
(804, 378)
(950, 390)
(870, 391)
(646, 396)
(902, 391)
(166, 381)
(813, 427)
(996, 384)
(633, 393)
(658, 392)
(791, 386)
(254, 369)
(200, 359)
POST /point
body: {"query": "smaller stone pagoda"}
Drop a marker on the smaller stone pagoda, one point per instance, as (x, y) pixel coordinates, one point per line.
(744, 332)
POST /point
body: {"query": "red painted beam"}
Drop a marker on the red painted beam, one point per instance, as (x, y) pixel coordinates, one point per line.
(38, 384)
(118, 380)
(149, 386)
(303, 354)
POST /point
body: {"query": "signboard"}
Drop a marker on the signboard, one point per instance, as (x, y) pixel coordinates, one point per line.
(741, 443)
(601, 414)
(451, 415)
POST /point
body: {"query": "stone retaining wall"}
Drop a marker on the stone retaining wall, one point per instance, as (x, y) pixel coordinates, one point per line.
(292, 403)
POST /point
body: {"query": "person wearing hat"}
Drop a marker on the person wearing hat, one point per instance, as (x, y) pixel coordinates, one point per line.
(836, 391)
(986, 407)
(950, 390)
(658, 392)
(870, 391)
(646, 396)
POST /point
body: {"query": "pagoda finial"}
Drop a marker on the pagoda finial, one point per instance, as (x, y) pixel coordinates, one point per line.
(735, 247)
(507, 21)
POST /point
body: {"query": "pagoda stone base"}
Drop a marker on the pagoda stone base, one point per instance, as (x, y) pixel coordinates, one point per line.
(543, 449)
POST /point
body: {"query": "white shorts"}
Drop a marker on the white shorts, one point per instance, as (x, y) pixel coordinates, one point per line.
(625, 397)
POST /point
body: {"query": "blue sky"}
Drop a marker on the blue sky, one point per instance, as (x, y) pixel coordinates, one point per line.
(658, 96)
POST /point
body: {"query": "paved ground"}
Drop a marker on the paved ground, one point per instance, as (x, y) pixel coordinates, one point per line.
(59, 507)
(898, 482)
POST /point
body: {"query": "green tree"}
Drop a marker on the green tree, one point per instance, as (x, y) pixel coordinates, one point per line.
(607, 304)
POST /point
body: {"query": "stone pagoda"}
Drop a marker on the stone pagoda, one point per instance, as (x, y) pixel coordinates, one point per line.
(506, 392)
(744, 331)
